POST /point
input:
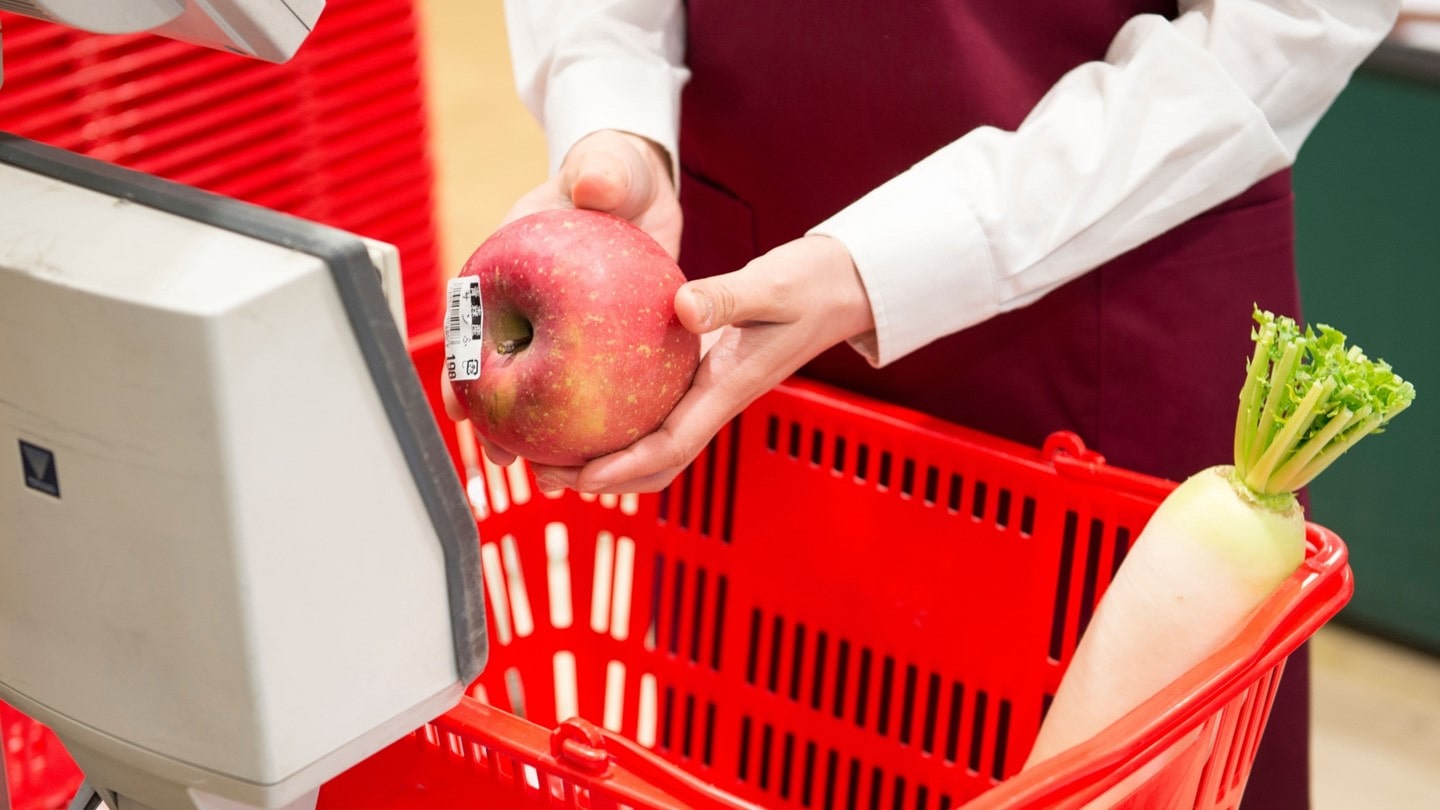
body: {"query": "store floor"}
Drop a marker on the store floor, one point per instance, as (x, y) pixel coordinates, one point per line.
(1377, 707)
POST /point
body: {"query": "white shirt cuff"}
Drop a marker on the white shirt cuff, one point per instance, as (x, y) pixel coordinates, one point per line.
(915, 243)
(594, 94)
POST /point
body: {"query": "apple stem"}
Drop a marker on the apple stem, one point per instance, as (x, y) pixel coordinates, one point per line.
(512, 346)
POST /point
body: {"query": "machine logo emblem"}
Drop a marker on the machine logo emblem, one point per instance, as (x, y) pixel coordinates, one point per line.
(38, 464)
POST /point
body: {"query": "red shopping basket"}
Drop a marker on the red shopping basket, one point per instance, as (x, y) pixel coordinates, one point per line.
(840, 604)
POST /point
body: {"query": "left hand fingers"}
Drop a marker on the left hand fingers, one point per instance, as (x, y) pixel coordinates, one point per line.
(651, 463)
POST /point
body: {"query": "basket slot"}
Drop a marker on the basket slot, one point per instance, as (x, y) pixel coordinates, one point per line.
(1094, 563)
(492, 489)
(687, 614)
(612, 591)
(875, 695)
(1241, 723)
(526, 784)
(557, 573)
(905, 475)
(802, 772)
(511, 615)
(567, 686)
(687, 726)
(702, 496)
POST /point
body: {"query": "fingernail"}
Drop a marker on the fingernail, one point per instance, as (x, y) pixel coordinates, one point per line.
(549, 483)
(707, 307)
(592, 486)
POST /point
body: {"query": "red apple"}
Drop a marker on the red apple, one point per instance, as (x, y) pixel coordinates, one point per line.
(581, 353)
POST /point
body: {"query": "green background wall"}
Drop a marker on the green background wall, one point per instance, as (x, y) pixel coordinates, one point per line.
(1367, 187)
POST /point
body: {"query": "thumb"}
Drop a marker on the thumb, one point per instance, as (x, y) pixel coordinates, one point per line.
(608, 175)
(748, 294)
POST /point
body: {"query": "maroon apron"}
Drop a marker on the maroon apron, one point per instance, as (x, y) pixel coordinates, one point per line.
(797, 108)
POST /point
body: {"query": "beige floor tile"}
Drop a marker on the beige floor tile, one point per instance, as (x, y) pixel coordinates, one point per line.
(1376, 740)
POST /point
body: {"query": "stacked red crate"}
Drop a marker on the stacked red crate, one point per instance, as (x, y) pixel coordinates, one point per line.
(337, 135)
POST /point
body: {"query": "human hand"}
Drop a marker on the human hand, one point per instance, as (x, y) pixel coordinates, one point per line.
(617, 172)
(763, 322)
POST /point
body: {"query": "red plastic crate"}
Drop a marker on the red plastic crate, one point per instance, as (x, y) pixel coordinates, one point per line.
(839, 604)
(337, 135)
(38, 773)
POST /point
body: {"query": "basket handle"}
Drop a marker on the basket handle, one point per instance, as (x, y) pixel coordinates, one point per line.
(1066, 452)
(578, 744)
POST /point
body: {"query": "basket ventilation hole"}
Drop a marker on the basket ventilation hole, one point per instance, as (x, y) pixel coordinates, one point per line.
(494, 573)
(1002, 741)
(977, 502)
(887, 690)
(797, 661)
(515, 692)
(557, 555)
(612, 591)
(1002, 509)
(862, 690)
(977, 731)
(470, 458)
(646, 716)
(907, 712)
(677, 602)
(519, 481)
(567, 688)
(495, 480)
(1090, 588)
(722, 587)
(614, 695)
(519, 595)
(1062, 586)
(932, 714)
(657, 586)
(952, 730)
(1027, 516)
(690, 501)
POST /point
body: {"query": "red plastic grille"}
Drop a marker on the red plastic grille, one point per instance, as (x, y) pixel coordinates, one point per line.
(337, 135)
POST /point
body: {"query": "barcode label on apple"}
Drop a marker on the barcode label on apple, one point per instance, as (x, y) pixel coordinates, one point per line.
(463, 319)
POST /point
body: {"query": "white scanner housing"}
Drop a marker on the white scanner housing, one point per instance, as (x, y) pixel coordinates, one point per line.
(271, 30)
(235, 558)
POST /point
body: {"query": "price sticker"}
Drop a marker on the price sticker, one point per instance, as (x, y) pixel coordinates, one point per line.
(463, 320)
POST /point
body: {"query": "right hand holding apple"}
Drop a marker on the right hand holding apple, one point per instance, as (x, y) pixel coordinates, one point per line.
(764, 321)
(579, 352)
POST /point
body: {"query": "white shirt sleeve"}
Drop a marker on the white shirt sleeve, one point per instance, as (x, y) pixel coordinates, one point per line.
(586, 65)
(1181, 116)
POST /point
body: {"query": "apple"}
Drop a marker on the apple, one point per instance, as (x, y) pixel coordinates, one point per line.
(580, 351)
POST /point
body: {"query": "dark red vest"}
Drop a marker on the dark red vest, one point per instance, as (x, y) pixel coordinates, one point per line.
(796, 108)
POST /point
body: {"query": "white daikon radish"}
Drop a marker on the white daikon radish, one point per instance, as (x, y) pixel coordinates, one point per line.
(1224, 540)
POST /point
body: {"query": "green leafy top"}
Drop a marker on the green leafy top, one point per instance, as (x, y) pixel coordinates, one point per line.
(1307, 399)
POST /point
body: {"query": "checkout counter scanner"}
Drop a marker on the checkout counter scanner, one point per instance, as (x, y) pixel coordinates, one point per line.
(235, 557)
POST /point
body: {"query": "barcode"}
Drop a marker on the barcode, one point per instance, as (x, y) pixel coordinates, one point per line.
(452, 320)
